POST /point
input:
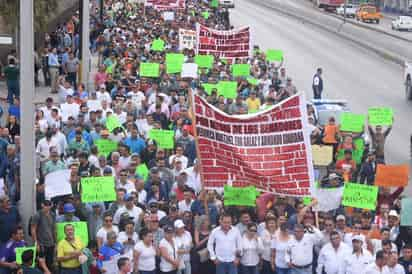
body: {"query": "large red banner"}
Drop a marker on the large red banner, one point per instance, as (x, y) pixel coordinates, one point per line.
(270, 150)
(224, 44)
(165, 4)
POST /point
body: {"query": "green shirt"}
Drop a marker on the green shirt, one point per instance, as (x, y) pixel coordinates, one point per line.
(51, 166)
(11, 73)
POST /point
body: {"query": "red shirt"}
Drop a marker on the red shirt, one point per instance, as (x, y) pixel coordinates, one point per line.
(346, 168)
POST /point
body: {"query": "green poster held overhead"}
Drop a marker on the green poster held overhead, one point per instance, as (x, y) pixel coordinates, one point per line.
(357, 153)
(204, 61)
(252, 81)
(240, 196)
(143, 171)
(239, 70)
(158, 45)
(80, 230)
(352, 122)
(174, 62)
(205, 14)
(214, 3)
(380, 116)
(360, 196)
(19, 252)
(227, 89)
(307, 200)
(209, 87)
(406, 212)
(149, 70)
(105, 146)
(112, 122)
(274, 55)
(164, 138)
(98, 189)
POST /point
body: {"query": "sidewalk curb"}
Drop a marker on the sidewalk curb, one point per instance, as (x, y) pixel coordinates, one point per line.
(383, 53)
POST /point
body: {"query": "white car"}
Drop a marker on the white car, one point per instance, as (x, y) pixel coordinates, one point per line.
(402, 23)
(350, 10)
(227, 3)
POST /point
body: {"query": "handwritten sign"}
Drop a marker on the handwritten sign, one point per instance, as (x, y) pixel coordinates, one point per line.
(98, 189)
(149, 70)
(352, 122)
(204, 61)
(80, 230)
(360, 196)
(158, 45)
(274, 55)
(105, 146)
(227, 89)
(239, 70)
(164, 138)
(240, 196)
(380, 116)
(392, 175)
(174, 62)
(322, 155)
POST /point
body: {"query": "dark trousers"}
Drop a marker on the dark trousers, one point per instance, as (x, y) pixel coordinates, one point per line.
(46, 76)
(13, 90)
(170, 272)
(76, 270)
(317, 94)
(267, 268)
(48, 253)
(246, 269)
(72, 78)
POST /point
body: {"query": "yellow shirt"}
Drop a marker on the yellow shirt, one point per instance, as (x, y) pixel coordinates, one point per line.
(64, 248)
(253, 104)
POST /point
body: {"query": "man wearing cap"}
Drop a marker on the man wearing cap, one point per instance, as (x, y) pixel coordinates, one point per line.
(356, 261)
(368, 169)
(68, 216)
(135, 213)
(184, 244)
(393, 224)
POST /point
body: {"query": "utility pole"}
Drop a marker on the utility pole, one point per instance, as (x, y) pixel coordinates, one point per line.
(85, 44)
(28, 163)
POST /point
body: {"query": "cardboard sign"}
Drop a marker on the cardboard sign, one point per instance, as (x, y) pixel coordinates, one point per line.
(105, 146)
(322, 155)
(204, 61)
(360, 196)
(57, 183)
(352, 122)
(174, 62)
(406, 212)
(240, 196)
(19, 252)
(143, 171)
(239, 70)
(80, 230)
(392, 175)
(274, 55)
(163, 138)
(227, 89)
(98, 189)
(380, 116)
(112, 122)
(158, 45)
(187, 39)
(149, 70)
(209, 88)
(189, 70)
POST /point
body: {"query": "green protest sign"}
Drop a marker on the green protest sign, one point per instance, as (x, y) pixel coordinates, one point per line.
(112, 122)
(274, 55)
(252, 81)
(227, 89)
(214, 3)
(240, 196)
(105, 146)
(98, 189)
(307, 200)
(80, 230)
(239, 70)
(360, 196)
(205, 14)
(174, 62)
(19, 252)
(143, 171)
(251, 111)
(209, 87)
(352, 122)
(204, 61)
(380, 116)
(158, 45)
(164, 138)
(357, 153)
(406, 212)
(149, 70)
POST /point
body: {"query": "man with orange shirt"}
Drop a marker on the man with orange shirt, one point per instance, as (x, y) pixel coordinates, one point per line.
(346, 166)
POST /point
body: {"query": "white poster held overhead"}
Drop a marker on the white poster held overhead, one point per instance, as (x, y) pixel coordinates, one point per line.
(189, 70)
(328, 198)
(168, 15)
(187, 39)
(57, 184)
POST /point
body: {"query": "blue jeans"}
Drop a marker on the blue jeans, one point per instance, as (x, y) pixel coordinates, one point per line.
(226, 268)
(246, 269)
(77, 270)
(280, 270)
(267, 268)
(307, 270)
(12, 90)
(147, 272)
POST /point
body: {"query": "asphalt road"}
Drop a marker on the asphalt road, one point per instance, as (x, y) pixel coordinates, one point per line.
(350, 72)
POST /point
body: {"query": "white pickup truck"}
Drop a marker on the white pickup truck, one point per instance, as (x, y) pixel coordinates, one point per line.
(350, 10)
(408, 80)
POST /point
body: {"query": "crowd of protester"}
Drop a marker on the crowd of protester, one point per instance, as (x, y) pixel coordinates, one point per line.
(163, 218)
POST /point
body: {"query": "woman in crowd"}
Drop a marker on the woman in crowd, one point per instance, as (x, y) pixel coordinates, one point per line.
(279, 246)
(128, 238)
(169, 260)
(145, 253)
(252, 248)
(268, 235)
(200, 256)
(106, 228)
(184, 243)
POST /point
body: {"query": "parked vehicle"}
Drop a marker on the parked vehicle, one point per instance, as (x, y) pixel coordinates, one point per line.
(408, 80)
(402, 23)
(368, 13)
(227, 3)
(329, 5)
(350, 10)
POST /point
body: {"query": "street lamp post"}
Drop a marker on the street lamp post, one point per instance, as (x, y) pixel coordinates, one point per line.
(85, 51)
(27, 167)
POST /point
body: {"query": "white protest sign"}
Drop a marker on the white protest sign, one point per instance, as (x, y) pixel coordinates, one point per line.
(57, 184)
(187, 39)
(328, 198)
(189, 70)
(168, 15)
(2, 187)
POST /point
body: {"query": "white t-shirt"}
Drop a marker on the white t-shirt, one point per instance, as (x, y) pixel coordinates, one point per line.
(183, 206)
(129, 186)
(123, 237)
(171, 250)
(135, 212)
(102, 233)
(280, 247)
(184, 242)
(147, 257)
